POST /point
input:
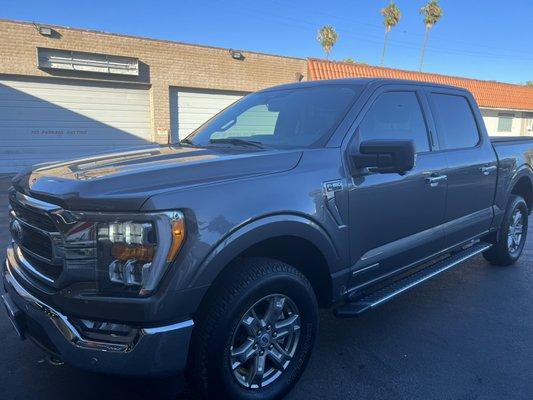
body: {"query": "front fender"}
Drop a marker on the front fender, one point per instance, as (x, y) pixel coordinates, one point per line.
(259, 230)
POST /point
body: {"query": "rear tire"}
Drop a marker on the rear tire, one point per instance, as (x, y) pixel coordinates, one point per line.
(512, 235)
(250, 308)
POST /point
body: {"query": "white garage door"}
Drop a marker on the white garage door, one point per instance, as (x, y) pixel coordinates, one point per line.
(191, 108)
(48, 120)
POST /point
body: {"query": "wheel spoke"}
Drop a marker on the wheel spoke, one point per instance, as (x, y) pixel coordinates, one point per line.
(257, 371)
(287, 326)
(242, 353)
(275, 308)
(252, 323)
(279, 356)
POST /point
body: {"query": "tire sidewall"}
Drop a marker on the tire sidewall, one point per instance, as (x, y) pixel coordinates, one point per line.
(220, 374)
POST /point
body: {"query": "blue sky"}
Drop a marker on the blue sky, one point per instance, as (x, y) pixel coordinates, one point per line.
(487, 39)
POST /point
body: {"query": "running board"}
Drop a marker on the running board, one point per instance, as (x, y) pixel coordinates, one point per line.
(373, 300)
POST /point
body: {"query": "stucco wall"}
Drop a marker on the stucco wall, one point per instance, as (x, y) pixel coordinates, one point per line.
(490, 116)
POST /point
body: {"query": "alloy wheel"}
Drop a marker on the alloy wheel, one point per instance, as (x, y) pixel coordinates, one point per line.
(516, 231)
(265, 341)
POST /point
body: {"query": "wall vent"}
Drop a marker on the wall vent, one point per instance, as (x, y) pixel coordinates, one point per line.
(87, 62)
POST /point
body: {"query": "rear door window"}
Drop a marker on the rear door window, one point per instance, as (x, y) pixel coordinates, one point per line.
(396, 115)
(456, 124)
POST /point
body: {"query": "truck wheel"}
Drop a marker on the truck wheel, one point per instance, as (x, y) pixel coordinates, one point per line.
(254, 332)
(512, 235)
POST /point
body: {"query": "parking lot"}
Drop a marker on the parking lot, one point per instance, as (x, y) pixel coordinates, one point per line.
(468, 334)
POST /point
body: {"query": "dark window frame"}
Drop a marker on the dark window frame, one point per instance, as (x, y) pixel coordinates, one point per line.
(425, 117)
(434, 111)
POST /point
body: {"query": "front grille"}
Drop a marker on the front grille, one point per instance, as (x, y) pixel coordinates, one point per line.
(35, 241)
(35, 218)
(53, 245)
(33, 231)
(47, 269)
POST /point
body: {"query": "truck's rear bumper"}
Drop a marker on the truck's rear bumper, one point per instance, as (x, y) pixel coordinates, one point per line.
(155, 351)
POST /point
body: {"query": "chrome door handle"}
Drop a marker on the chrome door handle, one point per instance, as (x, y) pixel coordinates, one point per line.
(434, 181)
(487, 170)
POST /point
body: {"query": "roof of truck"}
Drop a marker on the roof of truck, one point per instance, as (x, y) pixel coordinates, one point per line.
(358, 81)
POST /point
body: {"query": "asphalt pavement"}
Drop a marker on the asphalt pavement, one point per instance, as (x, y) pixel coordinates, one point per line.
(465, 335)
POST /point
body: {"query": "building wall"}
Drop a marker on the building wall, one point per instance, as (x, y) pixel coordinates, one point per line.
(519, 124)
(163, 64)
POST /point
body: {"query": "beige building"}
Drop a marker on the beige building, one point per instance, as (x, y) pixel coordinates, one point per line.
(508, 122)
(66, 93)
(69, 92)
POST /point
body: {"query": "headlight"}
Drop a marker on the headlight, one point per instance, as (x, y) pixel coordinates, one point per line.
(133, 254)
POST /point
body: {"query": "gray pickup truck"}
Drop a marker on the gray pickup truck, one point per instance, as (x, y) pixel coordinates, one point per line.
(209, 258)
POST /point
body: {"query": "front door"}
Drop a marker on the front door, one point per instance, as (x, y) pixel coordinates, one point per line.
(396, 220)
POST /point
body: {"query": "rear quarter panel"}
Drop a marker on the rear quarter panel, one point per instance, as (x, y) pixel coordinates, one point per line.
(515, 160)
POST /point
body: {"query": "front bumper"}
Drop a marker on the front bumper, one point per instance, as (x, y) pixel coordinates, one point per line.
(155, 351)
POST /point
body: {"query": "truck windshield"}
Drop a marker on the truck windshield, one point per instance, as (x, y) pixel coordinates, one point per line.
(284, 118)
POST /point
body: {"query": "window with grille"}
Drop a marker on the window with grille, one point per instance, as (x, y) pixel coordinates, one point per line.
(505, 122)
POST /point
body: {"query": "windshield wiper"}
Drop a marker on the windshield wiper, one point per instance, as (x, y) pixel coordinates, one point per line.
(238, 142)
(187, 141)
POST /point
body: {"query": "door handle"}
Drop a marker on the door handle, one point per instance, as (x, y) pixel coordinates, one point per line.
(434, 181)
(487, 170)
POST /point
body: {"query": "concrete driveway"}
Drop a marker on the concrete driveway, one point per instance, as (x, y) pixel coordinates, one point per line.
(468, 334)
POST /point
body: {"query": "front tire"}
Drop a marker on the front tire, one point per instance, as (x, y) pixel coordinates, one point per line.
(254, 333)
(512, 235)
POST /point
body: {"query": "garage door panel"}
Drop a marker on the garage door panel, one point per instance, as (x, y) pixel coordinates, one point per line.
(77, 105)
(79, 135)
(191, 108)
(63, 115)
(44, 121)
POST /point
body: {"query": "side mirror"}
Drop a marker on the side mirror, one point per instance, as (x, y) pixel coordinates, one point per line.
(385, 156)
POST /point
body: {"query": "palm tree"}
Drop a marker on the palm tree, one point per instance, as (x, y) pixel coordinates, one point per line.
(327, 38)
(391, 16)
(432, 13)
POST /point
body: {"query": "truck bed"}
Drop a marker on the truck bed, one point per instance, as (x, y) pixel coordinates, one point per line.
(511, 139)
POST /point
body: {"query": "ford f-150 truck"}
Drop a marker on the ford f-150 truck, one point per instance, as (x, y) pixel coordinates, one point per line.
(209, 258)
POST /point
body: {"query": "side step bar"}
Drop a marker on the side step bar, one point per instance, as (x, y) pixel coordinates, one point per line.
(373, 300)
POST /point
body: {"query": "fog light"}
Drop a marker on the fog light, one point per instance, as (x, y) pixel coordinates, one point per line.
(106, 331)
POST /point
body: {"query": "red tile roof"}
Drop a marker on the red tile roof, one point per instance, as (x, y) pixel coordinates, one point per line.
(487, 93)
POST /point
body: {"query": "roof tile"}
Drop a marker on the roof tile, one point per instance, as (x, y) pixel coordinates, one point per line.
(487, 93)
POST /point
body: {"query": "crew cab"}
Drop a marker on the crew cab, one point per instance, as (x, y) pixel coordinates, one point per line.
(210, 257)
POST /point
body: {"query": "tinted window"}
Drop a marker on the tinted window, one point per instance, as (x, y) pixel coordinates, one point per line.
(284, 118)
(455, 122)
(396, 115)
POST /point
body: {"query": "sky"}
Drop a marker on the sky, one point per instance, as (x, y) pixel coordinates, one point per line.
(489, 39)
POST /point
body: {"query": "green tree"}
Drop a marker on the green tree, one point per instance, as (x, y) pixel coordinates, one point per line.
(327, 37)
(391, 16)
(432, 13)
(529, 83)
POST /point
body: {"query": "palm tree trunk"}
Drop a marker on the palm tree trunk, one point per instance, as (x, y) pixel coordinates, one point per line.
(423, 50)
(384, 47)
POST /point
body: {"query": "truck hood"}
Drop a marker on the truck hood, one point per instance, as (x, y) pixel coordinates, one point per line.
(124, 181)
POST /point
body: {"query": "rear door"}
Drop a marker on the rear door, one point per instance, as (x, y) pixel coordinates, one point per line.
(472, 164)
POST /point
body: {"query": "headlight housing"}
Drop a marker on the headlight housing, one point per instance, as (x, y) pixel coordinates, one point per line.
(135, 251)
